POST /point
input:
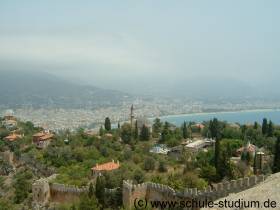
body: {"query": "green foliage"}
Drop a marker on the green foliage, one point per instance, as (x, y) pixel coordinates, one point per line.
(100, 189)
(208, 173)
(136, 130)
(126, 133)
(101, 131)
(276, 163)
(264, 126)
(162, 167)
(91, 191)
(22, 186)
(270, 129)
(157, 128)
(145, 133)
(87, 203)
(6, 205)
(149, 164)
(107, 124)
(139, 175)
(185, 131)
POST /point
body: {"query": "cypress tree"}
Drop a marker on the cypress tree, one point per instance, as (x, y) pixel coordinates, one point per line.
(101, 131)
(264, 126)
(270, 129)
(185, 130)
(256, 125)
(107, 124)
(217, 153)
(90, 190)
(119, 126)
(276, 163)
(145, 133)
(136, 130)
(100, 189)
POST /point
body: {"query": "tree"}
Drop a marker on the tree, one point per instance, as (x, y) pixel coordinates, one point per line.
(22, 185)
(126, 133)
(101, 131)
(119, 125)
(100, 189)
(145, 133)
(87, 203)
(156, 127)
(162, 167)
(264, 126)
(107, 124)
(270, 129)
(165, 133)
(139, 175)
(90, 191)
(256, 125)
(149, 164)
(217, 153)
(185, 130)
(276, 163)
(136, 130)
(215, 128)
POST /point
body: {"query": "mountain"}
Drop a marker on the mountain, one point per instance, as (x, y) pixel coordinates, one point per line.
(37, 89)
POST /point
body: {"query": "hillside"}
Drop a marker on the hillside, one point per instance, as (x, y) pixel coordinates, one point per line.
(18, 88)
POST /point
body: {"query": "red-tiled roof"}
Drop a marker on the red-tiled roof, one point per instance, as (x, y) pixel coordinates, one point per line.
(46, 137)
(248, 148)
(39, 134)
(106, 166)
(12, 137)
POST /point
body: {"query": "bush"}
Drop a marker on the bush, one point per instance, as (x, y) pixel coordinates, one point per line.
(149, 164)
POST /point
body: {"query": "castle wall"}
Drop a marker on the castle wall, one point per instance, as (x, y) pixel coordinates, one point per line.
(65, 193)
(157, 192)
(8, 156)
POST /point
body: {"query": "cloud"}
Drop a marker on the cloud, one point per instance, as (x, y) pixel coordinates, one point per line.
(119, 53)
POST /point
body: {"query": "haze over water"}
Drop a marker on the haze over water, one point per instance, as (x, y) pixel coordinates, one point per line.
(242, 117)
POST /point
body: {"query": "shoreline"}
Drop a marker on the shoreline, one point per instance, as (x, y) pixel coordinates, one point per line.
(218, 112)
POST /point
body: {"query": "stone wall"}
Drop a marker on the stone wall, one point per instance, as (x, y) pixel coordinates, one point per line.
(8, 156)
(64, 193)
(158, 192)
(44, 192)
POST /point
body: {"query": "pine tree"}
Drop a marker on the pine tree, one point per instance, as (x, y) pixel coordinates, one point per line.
(276, 163)
(264, 126)
(185, 130)
(107, 124)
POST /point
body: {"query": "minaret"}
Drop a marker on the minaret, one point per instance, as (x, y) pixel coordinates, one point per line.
(131, 115)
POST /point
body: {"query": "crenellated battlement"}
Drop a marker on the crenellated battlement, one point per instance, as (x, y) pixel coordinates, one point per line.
(153, 191)
(44, 191)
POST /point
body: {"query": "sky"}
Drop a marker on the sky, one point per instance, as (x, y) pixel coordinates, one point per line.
(143, 45)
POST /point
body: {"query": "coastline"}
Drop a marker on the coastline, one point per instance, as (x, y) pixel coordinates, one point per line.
(211, 113)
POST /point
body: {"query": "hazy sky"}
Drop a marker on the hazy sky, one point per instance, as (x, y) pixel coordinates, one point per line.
(129, 44)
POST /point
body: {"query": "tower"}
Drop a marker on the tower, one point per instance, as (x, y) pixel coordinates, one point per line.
(131, 115)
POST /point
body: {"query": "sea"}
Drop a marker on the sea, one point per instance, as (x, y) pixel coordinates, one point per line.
(242, 117)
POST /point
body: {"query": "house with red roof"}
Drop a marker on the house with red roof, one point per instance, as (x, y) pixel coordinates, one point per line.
(13, 137)
(247, 148)
(100, 168)
(42, 139)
